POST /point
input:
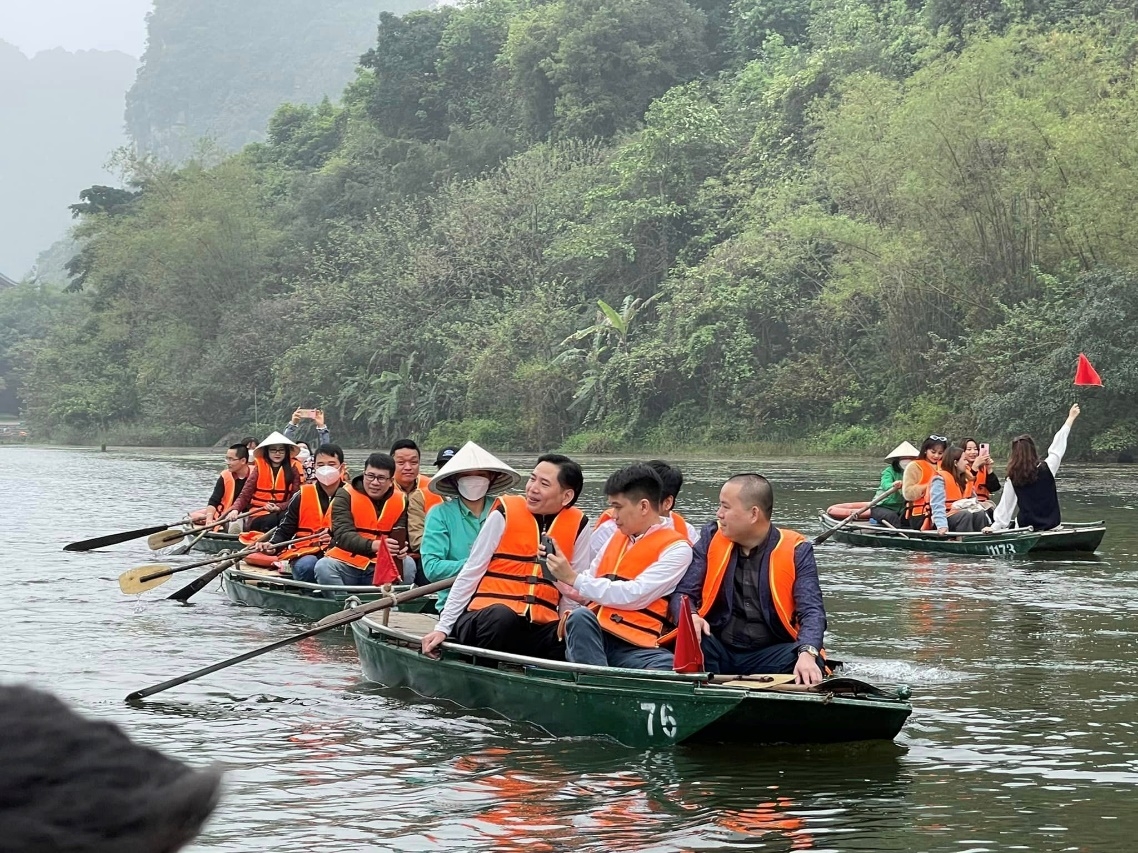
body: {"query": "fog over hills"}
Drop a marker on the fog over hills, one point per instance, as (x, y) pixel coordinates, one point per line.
(61, 115)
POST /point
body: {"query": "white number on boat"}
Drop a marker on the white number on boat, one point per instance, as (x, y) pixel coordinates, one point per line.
(1000, 549)
(667, 719)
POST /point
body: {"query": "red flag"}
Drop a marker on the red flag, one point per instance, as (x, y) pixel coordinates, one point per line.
(385, 571)
(1085, 374)
(689, 654)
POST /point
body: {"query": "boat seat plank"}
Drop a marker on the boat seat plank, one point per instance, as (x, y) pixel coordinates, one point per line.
(413, 623)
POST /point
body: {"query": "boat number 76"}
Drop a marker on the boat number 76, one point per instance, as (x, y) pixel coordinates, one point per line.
(667, 719)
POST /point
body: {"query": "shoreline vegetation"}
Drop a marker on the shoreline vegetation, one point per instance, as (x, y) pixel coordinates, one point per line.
(830, 225)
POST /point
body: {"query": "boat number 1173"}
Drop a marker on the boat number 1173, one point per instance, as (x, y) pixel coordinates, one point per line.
(667, 719)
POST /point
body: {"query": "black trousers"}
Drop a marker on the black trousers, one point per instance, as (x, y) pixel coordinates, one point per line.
(499, 628)
(264, 523)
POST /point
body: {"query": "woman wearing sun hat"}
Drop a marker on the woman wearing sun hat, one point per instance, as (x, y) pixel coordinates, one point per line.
(890, 509)
(472, 477)
(277, 477)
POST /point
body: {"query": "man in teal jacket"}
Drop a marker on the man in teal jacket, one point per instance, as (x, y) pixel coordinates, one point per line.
(473, 477)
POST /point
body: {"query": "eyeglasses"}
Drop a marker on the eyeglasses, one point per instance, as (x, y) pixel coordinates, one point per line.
(943, 438)
(376, 478)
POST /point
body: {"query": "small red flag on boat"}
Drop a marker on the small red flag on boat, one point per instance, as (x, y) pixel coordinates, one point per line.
(1085, 374)
(385, 571)
(689, 653)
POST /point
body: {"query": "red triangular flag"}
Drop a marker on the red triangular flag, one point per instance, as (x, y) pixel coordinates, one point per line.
(689, 654)
(1085, 374)
(385, 571)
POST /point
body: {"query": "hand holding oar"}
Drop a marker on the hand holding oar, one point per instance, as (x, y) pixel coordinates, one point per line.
(344, 617)
(853, 515)
(146, 577)
(166, 538)
(115, 538)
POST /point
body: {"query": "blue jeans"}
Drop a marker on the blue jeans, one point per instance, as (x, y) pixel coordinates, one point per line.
(304, 568)
(585, 642)
(778, 659)
(333, 572)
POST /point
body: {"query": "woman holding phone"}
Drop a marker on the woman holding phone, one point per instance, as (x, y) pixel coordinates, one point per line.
(980, 464)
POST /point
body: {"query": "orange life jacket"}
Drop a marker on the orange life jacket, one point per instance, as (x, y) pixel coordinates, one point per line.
(678, 522)
(310, 520)
(953, 492)
(514, 577)
(271, 488)
(369, 524)
(430, 499)
(980, 485)
(920, 506)
(229, 495)
(781, 573)
(624, 560)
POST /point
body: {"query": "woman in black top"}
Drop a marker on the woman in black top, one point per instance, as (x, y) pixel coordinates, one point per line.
(1029, 494)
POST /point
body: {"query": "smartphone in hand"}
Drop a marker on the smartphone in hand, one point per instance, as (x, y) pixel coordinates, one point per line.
(984, 449)
(550, 548)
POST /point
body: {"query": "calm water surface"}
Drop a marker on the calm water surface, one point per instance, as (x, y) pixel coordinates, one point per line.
(1023, 733)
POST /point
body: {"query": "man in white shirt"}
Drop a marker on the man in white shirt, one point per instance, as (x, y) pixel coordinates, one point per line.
(502, 598)
(627, 584)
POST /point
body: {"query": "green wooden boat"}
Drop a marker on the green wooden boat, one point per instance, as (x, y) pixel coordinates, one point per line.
(1067, 538)
(207, 543)
(639, 708)
(270, 591)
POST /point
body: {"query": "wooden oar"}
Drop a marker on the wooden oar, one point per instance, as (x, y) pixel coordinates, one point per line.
(166, 538)
(115, 538)
(195, 586)
(142, 578)
(853, 515)
(344, 617)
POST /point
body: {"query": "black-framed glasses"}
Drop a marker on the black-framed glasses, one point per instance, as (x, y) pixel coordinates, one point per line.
(376, 478)
(943, 438)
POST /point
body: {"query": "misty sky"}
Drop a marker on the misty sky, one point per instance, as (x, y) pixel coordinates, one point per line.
(35, 25)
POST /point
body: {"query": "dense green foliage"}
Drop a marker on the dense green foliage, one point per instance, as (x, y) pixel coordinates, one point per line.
(642, 222)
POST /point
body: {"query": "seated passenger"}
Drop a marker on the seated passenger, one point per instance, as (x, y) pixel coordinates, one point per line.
(366, 513)
(921, 476)
(501, 598)
(407, 457)
(310, 511)
(891, 509)
(959, 505)
(277, 477)
(627, 585)
(228, 486)
(417, 506)
(673, 480)
(1030, 496)
(473, 477)
(980, 464)
(754, 588)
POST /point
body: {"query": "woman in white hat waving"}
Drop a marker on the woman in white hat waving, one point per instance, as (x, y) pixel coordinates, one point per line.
(890, 509)
(473, 477)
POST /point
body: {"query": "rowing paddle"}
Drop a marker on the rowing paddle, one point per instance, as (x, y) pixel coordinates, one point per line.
(142, 578)
(166, 538)
(195, 586)
(853, 515)
(115, 538)
(344, 617)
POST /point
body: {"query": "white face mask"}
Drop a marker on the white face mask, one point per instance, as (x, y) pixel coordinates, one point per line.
(329, 475)
(473, 488)
(303, 455)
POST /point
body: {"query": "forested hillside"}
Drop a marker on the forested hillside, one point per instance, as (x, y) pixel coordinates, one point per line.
(218, 69)
(641, 222)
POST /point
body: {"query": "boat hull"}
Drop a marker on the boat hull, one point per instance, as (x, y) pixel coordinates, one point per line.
(638, 709)
(209, 544)
(256, 590)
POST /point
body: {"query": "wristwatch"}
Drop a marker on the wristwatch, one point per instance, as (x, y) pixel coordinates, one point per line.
(810, 650)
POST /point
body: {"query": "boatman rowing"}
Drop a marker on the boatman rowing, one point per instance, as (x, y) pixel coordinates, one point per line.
(502, 599)
(755, 589)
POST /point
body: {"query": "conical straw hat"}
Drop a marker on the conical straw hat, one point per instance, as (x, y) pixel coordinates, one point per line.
(275, 439)
(471, 457)
(904, 450)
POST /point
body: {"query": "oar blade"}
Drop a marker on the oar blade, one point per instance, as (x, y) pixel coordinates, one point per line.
(158, 541)
(113, 538)
(139, 580)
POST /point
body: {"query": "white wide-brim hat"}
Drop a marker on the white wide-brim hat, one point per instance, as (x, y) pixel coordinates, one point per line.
(273, 440)
(904, 450)
(469, 458)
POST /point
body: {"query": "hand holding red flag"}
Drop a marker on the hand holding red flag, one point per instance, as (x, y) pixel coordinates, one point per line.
(1085, 374)
(385, 571)
(689, 653)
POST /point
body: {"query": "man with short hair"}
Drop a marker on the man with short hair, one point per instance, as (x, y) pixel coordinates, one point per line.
(228, 486)
(501, 598)
(406, 454)
(250, 444)
(672, 480)
(419, 502)
(365, 513)
(309, 512)
(627, 584)
(755, 589)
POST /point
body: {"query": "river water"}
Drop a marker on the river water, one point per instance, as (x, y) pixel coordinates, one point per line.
(1024, 692)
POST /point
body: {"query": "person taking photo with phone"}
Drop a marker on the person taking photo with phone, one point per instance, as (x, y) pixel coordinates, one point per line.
(367, 514)
(502, 598)
(980, 464)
